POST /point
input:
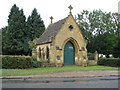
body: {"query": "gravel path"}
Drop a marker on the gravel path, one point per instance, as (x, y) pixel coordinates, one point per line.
(70, 74)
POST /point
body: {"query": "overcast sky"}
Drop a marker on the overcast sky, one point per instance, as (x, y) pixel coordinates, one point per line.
(56, 8)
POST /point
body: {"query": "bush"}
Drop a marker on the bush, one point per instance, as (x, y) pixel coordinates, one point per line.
(109, 62)
(17, 62)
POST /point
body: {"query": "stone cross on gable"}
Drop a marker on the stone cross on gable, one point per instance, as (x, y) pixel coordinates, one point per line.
(51, 19)
(70, 7)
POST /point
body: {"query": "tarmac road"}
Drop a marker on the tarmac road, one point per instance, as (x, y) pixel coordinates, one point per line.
(81, 82)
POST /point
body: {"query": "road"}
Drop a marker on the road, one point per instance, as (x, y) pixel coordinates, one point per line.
(81, 82)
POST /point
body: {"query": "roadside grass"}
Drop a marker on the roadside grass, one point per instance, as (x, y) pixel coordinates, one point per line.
(50, 70)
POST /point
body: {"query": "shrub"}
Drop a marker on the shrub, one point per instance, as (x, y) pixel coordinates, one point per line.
(17, 62)
(109, 62)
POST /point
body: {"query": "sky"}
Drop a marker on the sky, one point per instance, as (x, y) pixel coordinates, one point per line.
(56, 8)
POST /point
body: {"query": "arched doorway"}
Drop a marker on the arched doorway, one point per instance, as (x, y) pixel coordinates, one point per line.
(69, 54)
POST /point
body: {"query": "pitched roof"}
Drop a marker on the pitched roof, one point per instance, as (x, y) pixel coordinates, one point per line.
(51, 32)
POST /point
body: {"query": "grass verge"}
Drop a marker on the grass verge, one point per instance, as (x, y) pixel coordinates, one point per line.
(50, 70)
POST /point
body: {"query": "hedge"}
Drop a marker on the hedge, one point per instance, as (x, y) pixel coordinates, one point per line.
(109, 62)
(17, 62)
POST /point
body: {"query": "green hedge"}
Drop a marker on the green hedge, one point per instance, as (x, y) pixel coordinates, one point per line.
(17, 62)
(109, 62)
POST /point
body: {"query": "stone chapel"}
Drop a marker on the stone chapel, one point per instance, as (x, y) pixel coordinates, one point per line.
(62, 43)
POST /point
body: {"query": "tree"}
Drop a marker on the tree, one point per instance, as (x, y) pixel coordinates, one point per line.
(35, 25)
(4, 39)
(116, 52)
(84, 24)
(19, 32)
(95, 24)
(13, 35)
(35, 28)
(116, 17)
(105, 43)
(32, 44)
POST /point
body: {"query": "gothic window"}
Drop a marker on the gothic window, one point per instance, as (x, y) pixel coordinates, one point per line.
(47, 53)
(39, 52)
(43, 54)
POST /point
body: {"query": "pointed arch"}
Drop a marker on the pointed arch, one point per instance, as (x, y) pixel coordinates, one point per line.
(39, 52)
(69, 53)
(73, 41)
(76, 49)
(47, 52)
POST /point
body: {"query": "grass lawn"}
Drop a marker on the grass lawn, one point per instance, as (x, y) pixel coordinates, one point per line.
(49, 70)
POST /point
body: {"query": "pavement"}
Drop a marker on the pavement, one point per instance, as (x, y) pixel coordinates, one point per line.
(80, 82)
(70, 74)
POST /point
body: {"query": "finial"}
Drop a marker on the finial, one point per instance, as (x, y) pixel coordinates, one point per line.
(70, 7)
(51, 18)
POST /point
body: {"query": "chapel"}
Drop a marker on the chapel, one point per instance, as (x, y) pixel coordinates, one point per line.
(62, 43)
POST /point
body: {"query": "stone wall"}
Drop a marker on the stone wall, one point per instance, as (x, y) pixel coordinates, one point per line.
(74, 36)
(56, 47)
(94, 62)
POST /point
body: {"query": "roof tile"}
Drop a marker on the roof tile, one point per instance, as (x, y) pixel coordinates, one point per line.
(51, 32)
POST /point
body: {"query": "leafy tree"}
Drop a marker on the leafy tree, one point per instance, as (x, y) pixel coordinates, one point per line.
(84, 24)
(94, 24)
(13, 35)
(104, 43)
(116, 52)
(35, 25)
(32, 44)
(116, 17)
